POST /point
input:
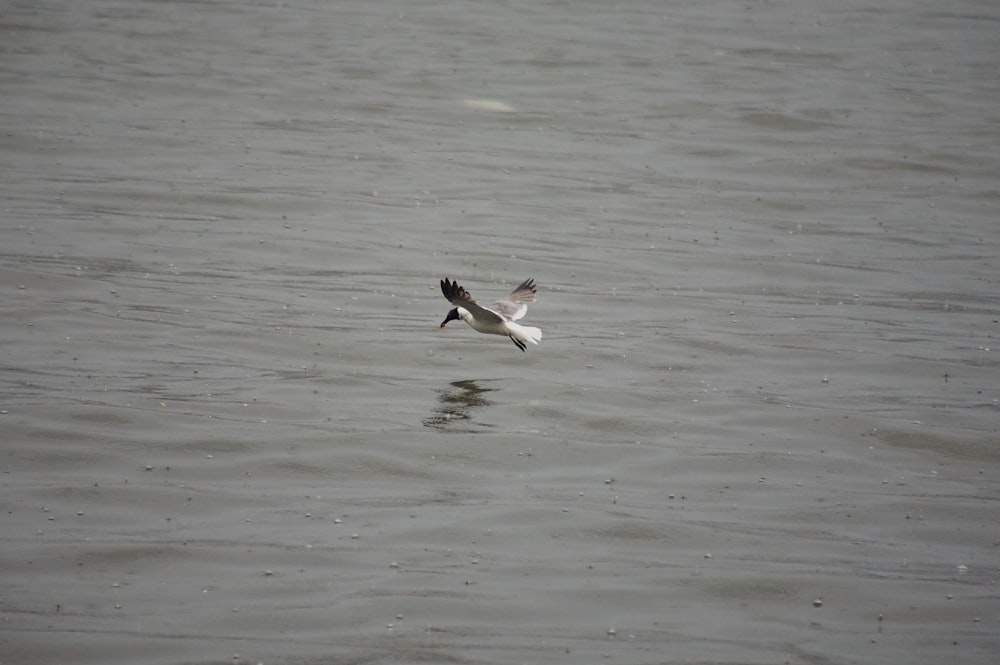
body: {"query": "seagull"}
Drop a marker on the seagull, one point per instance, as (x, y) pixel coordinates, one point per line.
(498, 318)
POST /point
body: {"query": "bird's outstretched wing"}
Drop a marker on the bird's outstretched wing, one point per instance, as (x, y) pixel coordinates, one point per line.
(459, 297)
(455, 294)
(514, 306)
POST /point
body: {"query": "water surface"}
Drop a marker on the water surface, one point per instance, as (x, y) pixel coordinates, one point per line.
(761, 426)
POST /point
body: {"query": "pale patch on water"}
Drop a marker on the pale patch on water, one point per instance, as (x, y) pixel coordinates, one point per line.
(488, 105)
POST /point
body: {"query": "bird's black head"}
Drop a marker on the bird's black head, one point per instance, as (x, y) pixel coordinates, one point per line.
(452, 315)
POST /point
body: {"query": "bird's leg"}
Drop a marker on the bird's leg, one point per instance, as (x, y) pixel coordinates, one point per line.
(518, 343)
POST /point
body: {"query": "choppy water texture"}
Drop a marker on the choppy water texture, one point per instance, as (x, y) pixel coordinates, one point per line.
(762, 424)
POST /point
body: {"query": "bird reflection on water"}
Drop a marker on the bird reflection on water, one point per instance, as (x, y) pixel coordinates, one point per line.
(456, 405)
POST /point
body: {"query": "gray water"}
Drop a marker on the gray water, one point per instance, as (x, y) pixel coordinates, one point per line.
(762, 425)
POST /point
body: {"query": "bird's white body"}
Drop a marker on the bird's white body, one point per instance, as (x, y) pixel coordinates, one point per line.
(501, 327)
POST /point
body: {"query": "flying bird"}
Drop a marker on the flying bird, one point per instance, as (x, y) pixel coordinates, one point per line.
(498, 318)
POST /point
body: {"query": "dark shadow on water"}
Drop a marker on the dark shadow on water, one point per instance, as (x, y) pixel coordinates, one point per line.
(456, 406)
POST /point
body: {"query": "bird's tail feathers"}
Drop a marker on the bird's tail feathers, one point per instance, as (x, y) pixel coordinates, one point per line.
(525, 333)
